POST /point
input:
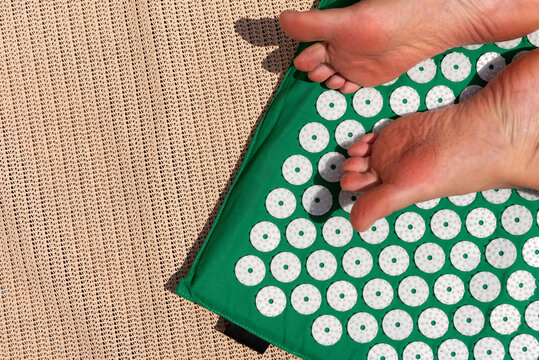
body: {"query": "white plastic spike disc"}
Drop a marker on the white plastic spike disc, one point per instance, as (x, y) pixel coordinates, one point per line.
(393, 260)
(347, 199)
(404, 100)
(485, 286)
(481, 222)
(270, 301)
(280, 203)
(456, 66)
(533, 38)
(488, 348)
(438, 97)
(445, 224)
(317, 200)
(348, 132)
(330, 166)
(449, 289)
(531, 315)
(465, 256)
(326, 330)
(390, 82)
(429, 257)
(357, 262)
(497, 196)
(521, 285)
(265, 236)
(517, 220)
(468, 320)
(362, 327)
(509, 44)
(341, 295)
(410, 226)
(524, 347)
(489, 65)
(417, 350)
(313, 137)
(423, 72)
(428, 204)
(321, 265)
(501, 253)
(413, 291)
(331, 105)
(530, 251)
(453, 349)
(300, 233)
(377, 233)
(285, 267)
(505, 319)
(250, 270)
(337, 231)
(297, 170)
(306, 299)
(378, 293)
(528, 194)
(381, 124)
(397, 324)
(472, 46)
(367, 102)
(382, 351)
(463, 200)
(433, 323)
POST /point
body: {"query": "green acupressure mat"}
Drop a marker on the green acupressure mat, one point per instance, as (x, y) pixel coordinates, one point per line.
(451, 278)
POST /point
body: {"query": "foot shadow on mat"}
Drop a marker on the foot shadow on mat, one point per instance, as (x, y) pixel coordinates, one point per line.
(259, 32)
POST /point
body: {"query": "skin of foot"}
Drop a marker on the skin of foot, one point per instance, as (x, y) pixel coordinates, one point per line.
(488, 141)
(374, 41)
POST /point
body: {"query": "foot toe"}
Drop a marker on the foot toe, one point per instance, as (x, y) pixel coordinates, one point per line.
(321, 73)
(312, 25)
(311, 57)
(357, 164)
(349, 87)
(368, 138)
(335, 81)
(360, 149)
(379, 202)
(353, 181)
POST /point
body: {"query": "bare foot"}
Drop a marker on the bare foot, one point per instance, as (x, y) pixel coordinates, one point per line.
(489, 141)
(374, 41)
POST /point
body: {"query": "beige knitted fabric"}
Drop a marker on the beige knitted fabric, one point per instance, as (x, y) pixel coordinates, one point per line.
(122, 126)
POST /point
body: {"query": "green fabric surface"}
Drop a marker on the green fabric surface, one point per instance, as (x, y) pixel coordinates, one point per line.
(212, 282)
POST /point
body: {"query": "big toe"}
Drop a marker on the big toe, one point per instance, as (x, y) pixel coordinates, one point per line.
(379, 202)
(312, 25)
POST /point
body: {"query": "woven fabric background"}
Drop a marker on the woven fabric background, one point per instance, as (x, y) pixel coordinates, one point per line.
(122, 126)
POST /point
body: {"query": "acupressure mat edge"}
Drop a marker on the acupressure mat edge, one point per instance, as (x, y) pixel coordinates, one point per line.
(451, 278)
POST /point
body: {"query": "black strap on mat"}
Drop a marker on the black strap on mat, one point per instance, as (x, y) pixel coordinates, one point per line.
(246, 338)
